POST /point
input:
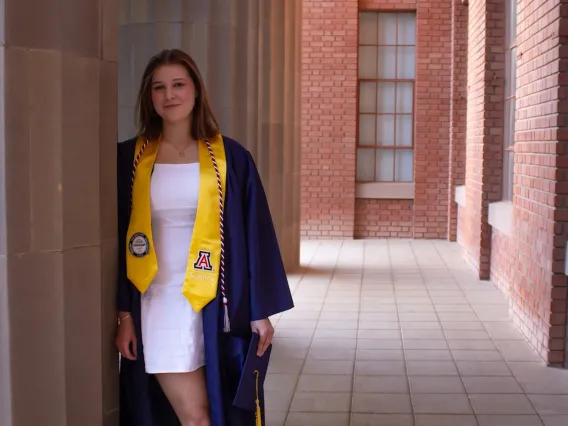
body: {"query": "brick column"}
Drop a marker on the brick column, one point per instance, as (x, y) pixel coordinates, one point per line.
(433, 93)
(485, 88)
(458, 111)
(329, 96)
(529, 265)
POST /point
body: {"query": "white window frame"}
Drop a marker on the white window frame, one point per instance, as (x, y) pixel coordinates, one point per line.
(388, 189)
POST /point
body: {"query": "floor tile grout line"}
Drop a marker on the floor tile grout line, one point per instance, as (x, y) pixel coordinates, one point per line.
(502, 356)
(404, 354)
(475, 313)
(313, 256)
(465, 287)
(444, 332)
(357, 336)
(309, 346)
(314, 333)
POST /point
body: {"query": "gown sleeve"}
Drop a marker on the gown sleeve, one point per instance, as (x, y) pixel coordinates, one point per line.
(269, 289)
(124, 288)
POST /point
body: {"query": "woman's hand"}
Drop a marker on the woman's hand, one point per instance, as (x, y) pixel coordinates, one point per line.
(266, 331)
(126, 336)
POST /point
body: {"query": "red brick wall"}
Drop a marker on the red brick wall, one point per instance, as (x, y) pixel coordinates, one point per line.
(433, 85)
(458, 111)
(527, 266)
(384, 218)
(461, 233)
(533, 265)
(387, 4)
(484, 136)
(503, 260)
(329, 96)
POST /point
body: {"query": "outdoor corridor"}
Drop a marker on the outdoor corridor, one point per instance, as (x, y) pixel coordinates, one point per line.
(401, 333)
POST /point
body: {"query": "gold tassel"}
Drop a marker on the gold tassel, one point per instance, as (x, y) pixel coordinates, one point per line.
(258, 413)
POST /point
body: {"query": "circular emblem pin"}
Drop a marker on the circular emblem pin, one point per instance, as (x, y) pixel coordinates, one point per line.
(139, 245)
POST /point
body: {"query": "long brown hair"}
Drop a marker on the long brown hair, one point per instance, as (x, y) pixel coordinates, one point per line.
(203, 125)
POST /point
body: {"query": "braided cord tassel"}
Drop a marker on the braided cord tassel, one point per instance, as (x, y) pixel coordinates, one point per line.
(226, 322)
(134, 166)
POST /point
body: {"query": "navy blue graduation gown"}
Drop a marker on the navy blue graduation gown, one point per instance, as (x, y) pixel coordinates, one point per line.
(257, 288)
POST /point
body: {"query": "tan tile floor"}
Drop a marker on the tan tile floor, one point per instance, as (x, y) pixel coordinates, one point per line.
(401, 333)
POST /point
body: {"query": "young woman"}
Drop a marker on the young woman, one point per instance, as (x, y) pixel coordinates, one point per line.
(200, 270)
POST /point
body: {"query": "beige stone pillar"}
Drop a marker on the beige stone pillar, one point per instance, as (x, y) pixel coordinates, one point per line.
(249, 54)
(58, 61)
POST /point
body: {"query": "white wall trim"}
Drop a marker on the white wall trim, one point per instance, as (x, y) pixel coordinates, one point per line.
(385, 190)
(459, 195)
(501, 216)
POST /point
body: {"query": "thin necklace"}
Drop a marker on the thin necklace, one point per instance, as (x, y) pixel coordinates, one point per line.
(182, 152)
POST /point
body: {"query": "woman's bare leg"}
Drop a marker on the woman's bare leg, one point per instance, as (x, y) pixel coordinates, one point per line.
(187, 393)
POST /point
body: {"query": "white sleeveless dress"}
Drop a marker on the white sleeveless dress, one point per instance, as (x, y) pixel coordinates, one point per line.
(172, 332)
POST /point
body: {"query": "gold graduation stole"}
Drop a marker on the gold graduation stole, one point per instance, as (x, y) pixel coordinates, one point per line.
(205, 264)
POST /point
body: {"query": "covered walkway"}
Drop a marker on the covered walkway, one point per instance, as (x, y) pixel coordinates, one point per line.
(401, 333)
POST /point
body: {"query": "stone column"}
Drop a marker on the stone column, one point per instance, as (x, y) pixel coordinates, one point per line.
(58, 61)
(248, 52)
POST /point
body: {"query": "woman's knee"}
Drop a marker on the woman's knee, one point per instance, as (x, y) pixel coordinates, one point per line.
(187, 394)
(196, 416)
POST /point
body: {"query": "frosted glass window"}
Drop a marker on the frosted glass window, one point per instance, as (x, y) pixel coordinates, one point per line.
(367, 61)
(368, 28)
(385, 130)
(508, 175)
(511, 22)
(510, 102)
(367, 97)
(387, 29)
(406, 29)
(367, 129)
(404, 164)
(512, 111)
(507, 135)
(387, 49)
(508, 73)
(386, 66)
(404, 98)
(404, 130)
(405, 63)
(513, 73)
(510, 106)
(385, 165)
(385, 97)
(514, 18)
(365, 165)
